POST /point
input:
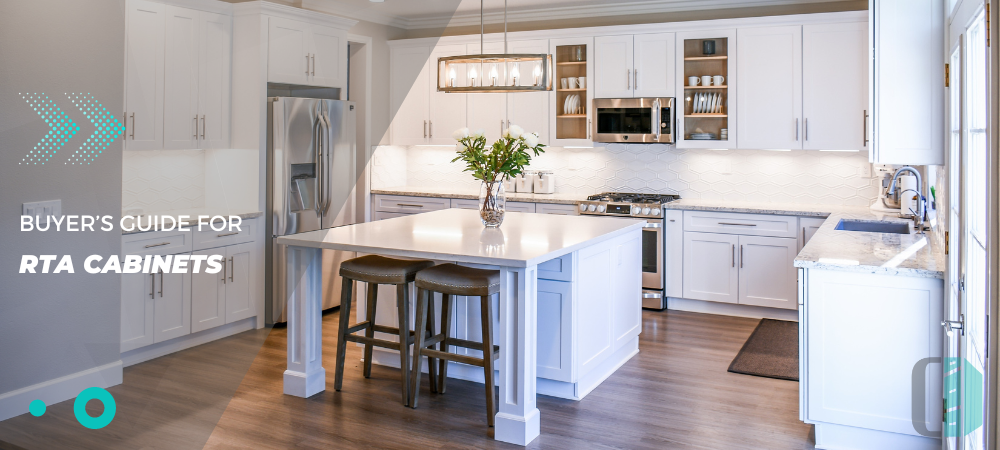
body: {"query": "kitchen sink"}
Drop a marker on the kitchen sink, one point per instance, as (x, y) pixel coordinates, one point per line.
(873, 227)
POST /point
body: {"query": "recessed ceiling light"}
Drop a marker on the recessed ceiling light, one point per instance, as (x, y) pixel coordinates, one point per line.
(377, 1)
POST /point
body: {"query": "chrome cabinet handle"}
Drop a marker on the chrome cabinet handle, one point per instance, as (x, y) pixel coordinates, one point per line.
(738, 224)
(501, 127)
(161, 284)
(161, 244)
(196, 126)
(590, 123)
(314, 64)
(796, 129)
(734, 255)
(232, 268)
(411, 205)
(803, 235)
(628, 79)
(152, 285)
(229, 234)
(425, 129)
(741, 256)
(223, 270)
(307, 64)
(865, 128)
(635, 76)
(806, 129)
(132, 131)
(430, 128)
(203, 127)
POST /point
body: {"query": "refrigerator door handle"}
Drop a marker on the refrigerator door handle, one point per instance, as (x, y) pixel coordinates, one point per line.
(327, 183)
(318, 160)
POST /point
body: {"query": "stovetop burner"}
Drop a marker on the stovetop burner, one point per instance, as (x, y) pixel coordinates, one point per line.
(625, 197)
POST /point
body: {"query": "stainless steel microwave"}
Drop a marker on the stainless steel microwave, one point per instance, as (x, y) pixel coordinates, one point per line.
(633, 120)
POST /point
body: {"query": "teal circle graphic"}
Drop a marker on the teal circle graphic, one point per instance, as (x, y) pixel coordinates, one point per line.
(36, 408)
(80, 408)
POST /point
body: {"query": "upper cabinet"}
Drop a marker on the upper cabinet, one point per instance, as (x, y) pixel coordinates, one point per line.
(769, 98)
(570, 123)
(409, 93)
(834, 86)
(907, 79)
(706, 80)
(634, 66)
(177, 81)
(306, 54)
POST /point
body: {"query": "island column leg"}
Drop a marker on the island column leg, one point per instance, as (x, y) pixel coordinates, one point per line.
(305, 375)
(518, 421)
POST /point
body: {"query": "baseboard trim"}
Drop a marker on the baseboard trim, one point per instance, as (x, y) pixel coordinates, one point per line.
(15, 403)
(143, 354)
(729, 309)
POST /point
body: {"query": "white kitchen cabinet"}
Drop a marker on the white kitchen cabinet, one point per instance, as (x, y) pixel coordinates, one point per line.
(208, 296)
(693, 62)
(240, 299)
(767, 274)
(574, 57)
(710, 271)
(306, 54)
(613, 74)
(172, 305)
(673, 253)
(834, 86)
(809, 226)
(654, 60)
(196, 79)
(907, 104)
(144, 44)
(529, 110)
(138, 300)
(446, 110)
(410, 96)
(769, 98)
(487, 111)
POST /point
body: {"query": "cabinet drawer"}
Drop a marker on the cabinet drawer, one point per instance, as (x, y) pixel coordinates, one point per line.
(559, 269)
(209, 238)
(744, 224)
(464, 203)
(410, 205)
(157, 243)
(555, 208)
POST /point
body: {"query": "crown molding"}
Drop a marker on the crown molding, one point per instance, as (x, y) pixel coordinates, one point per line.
(291, 12)
(365, 14)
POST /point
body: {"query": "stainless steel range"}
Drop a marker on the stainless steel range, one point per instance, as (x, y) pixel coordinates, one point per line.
(650, 208)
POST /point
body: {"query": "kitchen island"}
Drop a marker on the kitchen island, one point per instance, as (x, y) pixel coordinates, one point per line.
(599, 257)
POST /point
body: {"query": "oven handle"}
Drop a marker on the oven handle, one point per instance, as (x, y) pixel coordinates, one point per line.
(656, 116)
(652, 225)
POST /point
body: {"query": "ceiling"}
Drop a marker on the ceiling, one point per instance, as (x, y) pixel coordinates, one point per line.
(419, 14)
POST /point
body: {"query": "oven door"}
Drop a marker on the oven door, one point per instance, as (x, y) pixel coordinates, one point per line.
(652, 256)
(633, 120)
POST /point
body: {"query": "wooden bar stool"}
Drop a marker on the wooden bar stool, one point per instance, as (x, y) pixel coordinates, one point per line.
(376, 270)
(451, 280)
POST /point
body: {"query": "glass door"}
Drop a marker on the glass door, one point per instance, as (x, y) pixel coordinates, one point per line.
(706, 81)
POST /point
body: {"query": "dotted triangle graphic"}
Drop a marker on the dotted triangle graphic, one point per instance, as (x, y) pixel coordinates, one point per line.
(62, 128)
(107, 128)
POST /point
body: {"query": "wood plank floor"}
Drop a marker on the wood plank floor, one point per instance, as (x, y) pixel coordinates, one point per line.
(675, 394)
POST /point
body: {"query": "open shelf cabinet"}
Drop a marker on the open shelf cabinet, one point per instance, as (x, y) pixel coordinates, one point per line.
(573, 59)
(706, 108)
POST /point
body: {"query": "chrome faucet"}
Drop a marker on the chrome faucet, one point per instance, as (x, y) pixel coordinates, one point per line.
(919, 213)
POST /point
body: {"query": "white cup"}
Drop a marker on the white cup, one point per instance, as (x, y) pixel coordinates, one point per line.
(693, 81)
(718, 80)
(582, 81)
(706, 80)
(564, 82)
(573, 82)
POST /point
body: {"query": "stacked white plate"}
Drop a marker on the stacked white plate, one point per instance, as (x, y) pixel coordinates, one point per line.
(707, 104)
(572, 105)
(702, 136)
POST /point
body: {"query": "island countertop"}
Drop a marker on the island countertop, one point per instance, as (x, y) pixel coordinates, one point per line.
(523, 240)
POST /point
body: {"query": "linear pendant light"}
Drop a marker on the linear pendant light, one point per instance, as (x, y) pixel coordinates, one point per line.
(504, 72)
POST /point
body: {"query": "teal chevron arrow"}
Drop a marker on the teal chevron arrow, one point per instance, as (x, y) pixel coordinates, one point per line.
(107, 128)
(62, 128)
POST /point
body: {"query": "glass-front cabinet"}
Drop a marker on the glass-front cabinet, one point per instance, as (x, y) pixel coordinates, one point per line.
(572, 94)
(706, 88)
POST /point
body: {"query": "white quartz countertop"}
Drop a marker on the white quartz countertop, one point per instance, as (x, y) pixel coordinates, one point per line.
(192, 215)
(523, 240)
(913, 255)
(473, 193)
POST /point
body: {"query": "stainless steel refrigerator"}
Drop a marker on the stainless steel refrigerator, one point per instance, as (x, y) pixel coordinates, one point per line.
(311, 177)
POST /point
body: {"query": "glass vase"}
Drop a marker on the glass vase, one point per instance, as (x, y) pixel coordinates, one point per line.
(492, 203)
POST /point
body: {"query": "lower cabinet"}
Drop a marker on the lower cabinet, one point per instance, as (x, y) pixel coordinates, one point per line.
(224, 297)
(138, 301)
(172, 306)
(710, 271)
(809, 225)
(748, 270)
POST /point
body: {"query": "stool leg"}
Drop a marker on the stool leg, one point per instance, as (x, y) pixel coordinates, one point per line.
(487, 316)
(403, 308)
(445, 330)
(370, 331)
(431, 362)
(345, 322)
(418, 344)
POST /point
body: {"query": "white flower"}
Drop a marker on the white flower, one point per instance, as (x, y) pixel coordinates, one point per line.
(479, 133)
(460, 134)
(531, 140)
(514, 132)
(460, 147)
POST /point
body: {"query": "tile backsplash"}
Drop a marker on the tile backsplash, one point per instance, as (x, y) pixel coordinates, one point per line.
(829, 178)
(163, 180)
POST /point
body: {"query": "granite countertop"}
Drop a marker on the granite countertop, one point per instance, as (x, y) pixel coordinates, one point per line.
(912, 255)
(473, 194)
(193, 214)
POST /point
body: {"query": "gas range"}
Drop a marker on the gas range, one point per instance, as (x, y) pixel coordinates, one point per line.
(626, 204)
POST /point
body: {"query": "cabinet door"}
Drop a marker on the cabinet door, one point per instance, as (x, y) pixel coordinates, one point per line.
(692, 61)
(447, 110)
(239, 295)
(144, 75)
(208, 295)
(173, 306)
(214, 68)
(834, 86)
(710, 271)
(767, 273)
(654, 65)
(613, 73)
(409, 93)
(530, 110)
(287, 51)
(571, 130)
(769, 69)
(908, 84)
(328, 47)
(809, 226)
(488, 112)
(180, 79)
(555, 330)
(137, 310)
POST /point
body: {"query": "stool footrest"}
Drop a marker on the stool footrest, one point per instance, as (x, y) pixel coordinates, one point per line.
(373, 341)
(472, 361)
(470, 344)
(358, 327)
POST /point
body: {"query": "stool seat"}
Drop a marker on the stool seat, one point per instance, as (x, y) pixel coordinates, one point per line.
(458, 280)
(379, 269)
